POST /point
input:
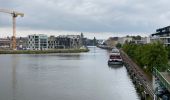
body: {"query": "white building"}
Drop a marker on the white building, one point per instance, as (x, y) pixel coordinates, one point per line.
(143, 40)
(123, 40)
(38, 42)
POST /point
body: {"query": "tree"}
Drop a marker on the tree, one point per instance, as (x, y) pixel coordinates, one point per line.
(138, 37)
(168, 50)
(118, 45)
(150, 55)
(157, 57)
(94, 41)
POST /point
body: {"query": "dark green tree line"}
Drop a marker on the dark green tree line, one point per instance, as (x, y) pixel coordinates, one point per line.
(149, 55)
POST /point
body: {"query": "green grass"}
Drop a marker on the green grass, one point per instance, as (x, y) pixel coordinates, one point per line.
(43, 51)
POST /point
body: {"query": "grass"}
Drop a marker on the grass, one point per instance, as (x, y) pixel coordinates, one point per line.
(43, 51)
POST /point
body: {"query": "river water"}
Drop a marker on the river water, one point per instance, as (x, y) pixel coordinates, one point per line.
(84, 76)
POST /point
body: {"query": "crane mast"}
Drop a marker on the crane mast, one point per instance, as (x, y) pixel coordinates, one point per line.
(14, 15)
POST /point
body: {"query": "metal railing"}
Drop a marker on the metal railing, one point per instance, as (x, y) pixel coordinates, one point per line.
(161, 78)
(168, 71)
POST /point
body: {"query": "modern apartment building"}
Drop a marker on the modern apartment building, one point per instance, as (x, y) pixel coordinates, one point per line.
(52, 42)
(75, 41)
(162, 34)
(38, 42)
(68, 41)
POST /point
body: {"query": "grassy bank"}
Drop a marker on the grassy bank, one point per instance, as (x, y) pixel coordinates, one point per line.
(43, 51)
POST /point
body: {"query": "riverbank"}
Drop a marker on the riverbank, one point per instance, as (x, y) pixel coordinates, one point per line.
(140, 78)
(43, 51)
(104, 47)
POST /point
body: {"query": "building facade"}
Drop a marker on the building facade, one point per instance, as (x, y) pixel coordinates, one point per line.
(52, 42)
(162, 34)
(123, 40)
(143, 40)
(43, 42)
(5, 43)
(21, 43)
(68, 41)
(38, 42)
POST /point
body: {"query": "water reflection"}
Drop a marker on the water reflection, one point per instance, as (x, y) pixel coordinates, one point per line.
(14, 79)
(84, 76)
(115, 66)
(62, 56)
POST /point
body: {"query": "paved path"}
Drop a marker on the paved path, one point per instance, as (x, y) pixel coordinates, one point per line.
(140, 74)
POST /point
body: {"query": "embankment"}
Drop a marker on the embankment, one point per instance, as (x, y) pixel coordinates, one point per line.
(43, 51)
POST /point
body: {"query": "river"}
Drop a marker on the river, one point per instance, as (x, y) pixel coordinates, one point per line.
(81, 76)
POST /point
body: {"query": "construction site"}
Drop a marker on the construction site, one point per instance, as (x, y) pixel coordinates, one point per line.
(11, 42)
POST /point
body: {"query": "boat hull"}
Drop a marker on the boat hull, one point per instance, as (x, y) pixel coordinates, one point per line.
(115, 63)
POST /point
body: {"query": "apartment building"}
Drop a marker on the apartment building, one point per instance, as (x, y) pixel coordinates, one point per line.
(52, 42)
(69, 41)
(38, 42)
(162, 34)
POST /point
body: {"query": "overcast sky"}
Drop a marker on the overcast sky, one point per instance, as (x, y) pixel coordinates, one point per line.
(100, 18)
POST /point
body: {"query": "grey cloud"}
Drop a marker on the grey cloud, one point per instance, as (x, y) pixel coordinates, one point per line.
(90, 15)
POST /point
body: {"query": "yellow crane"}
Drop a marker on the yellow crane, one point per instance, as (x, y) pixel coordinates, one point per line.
(14, 15)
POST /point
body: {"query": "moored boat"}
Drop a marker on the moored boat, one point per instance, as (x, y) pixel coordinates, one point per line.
(115, 58)
(115, 50)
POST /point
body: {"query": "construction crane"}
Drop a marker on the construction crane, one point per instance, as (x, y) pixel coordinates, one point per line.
(14, 15)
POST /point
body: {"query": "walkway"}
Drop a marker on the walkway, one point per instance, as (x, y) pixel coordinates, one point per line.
(139, 73)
